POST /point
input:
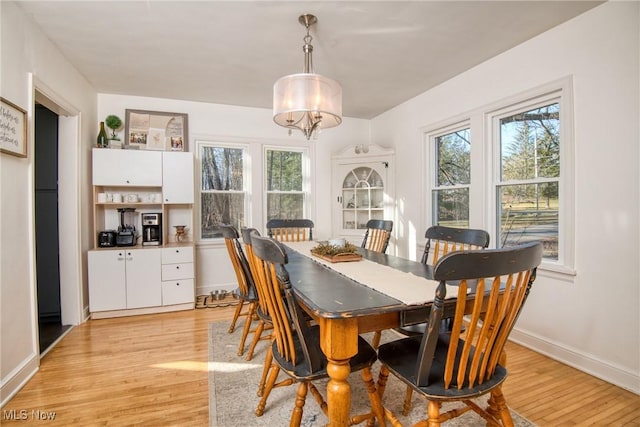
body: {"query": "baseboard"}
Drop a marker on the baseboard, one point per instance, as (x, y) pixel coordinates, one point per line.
(17, 378)
(585, 363)
(207, 289)
(139, 311)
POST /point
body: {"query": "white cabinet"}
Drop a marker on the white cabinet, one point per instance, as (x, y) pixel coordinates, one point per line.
(142, 279)
(177, 275)
(177, 177)
(134, 168)
(362, 189)
(124, 278)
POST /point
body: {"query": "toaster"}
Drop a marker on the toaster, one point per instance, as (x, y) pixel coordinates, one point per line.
(107, 238)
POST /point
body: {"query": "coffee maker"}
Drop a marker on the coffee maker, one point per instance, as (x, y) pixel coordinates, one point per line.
(151, 229)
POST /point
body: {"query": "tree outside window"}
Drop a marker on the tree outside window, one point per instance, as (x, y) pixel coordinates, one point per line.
(284, 179)
(528, 191)
(450, 194)
(222, 192)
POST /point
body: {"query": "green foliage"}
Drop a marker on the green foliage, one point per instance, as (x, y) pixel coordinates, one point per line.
(330, 250)
(114, 123)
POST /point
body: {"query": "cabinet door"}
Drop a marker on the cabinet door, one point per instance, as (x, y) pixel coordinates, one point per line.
(127, 167)
(177, 177)
(362, 195)
(143, 278)
(107, 286)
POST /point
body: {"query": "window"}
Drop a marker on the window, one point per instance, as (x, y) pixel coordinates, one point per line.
(452, 178)
(516, 180)
(223, 192)
(285, 182)
(527, 191)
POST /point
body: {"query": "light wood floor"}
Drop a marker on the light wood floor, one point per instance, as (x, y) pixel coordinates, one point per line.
(152, 371)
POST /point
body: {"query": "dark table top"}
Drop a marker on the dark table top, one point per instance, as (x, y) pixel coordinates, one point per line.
(330, 294)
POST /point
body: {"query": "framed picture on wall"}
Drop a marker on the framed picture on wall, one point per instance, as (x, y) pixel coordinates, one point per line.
(13, 129)
(156, 130)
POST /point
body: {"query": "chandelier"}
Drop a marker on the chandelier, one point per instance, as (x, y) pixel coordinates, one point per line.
(307, 101)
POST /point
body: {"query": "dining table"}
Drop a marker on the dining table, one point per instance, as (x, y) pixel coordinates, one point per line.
(346, 299)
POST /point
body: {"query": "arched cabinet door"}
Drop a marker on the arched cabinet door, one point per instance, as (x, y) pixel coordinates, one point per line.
(362, 190)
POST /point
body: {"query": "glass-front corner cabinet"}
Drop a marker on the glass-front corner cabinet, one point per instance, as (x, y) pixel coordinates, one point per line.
(362, 184)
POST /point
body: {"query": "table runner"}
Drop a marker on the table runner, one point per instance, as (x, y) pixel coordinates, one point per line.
(405, 287)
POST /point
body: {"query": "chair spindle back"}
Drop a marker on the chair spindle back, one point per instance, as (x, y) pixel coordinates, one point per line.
(377, 236)
(444, 240)
(290, 230)
(498, 282)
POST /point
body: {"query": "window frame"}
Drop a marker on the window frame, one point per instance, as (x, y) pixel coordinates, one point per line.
(485, 166)
(432, 159)
(306, 178)
(246, 183)
(556, 92)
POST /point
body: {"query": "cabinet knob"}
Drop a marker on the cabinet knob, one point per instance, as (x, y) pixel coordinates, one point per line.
(177, 251)
(177, 267)
(128, 182)
(177, 284)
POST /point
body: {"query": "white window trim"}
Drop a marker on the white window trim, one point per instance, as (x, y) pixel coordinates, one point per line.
(558, 91)
(430, 136)
(246, 183)
(482, 194)
(306, 177)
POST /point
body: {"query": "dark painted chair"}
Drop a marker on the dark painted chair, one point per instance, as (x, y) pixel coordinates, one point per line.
(290, 230)
(447, 366)
(440, 242)
(296, 346)
(248, 298)
(265, 326)
(377, 236)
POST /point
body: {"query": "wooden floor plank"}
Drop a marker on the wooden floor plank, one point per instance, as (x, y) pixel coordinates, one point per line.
(152, 370)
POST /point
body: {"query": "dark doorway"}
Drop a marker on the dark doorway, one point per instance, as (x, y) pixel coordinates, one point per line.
(47, 238)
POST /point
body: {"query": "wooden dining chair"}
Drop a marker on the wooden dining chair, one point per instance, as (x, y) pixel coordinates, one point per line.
(492, 286)
(247, 295)
(296, 346)
(265, 326)
(441, 241)
(290, 230)
(377, 236)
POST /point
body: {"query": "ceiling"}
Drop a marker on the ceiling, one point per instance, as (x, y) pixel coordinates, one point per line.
(231, 52)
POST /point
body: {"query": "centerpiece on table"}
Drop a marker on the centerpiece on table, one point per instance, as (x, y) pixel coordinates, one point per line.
(336, 250)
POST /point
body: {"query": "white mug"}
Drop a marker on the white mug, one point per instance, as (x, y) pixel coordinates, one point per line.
(102, 197)
(131, 198)
(117, 198)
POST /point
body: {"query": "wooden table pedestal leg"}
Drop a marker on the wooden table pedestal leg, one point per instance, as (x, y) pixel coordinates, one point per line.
(338, 392)
(339, 342)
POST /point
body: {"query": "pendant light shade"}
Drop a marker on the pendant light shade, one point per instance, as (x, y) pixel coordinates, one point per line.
(307, 101)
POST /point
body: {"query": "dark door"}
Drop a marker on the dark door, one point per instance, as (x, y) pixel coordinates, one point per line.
(46, 214)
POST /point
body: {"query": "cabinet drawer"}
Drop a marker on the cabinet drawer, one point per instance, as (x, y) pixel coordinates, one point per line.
(177, 271)
(177, 292)
(177, 255)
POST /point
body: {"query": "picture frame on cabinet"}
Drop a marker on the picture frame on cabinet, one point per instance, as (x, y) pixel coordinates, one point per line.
(156, 130)
(13, 129)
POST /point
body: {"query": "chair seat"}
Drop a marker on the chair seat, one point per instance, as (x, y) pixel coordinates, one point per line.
(401, 357)
(366, 356)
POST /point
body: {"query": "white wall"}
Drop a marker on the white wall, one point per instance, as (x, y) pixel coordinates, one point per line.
(28, 56)
(592, 320)
(254, 126)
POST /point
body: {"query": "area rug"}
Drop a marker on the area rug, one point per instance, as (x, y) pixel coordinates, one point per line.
(233, 383)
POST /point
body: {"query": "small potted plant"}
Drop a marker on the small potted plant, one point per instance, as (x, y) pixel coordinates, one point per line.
(114, 123)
